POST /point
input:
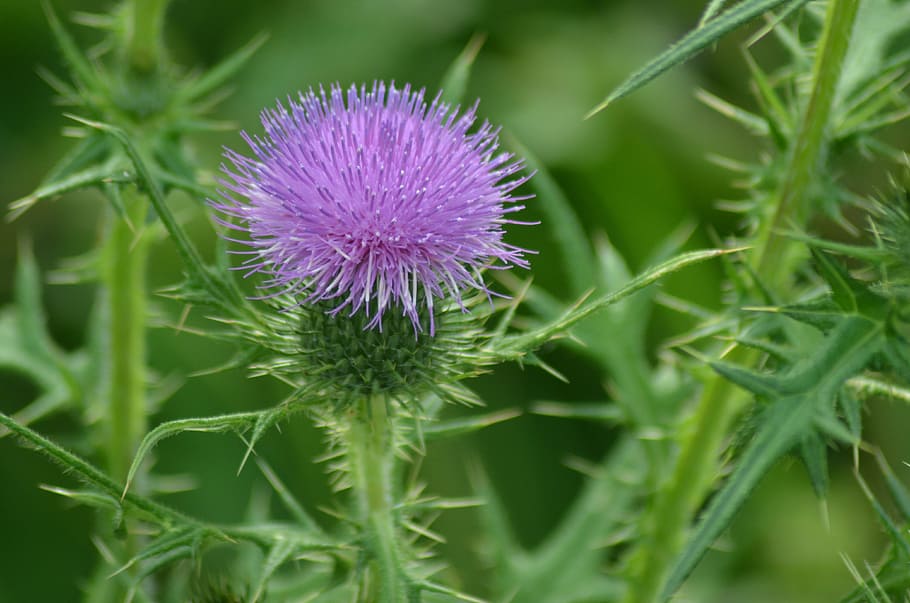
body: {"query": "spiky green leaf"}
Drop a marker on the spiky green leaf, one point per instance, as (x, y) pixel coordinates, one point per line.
(694, 42)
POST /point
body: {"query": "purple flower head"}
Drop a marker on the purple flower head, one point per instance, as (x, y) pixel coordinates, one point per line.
(379, 202)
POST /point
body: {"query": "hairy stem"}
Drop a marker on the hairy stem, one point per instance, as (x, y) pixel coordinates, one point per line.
(695, 470)
(371, 455)
(124, 313)
(145, 19)
(124, 286)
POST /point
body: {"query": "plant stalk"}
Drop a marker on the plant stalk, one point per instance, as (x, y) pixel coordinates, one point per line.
(774, 250)
(145, 19)
(773, 257)
(126, 255)
(371, 455)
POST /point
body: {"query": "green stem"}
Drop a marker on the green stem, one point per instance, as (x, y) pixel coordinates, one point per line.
(696, 468)
(372, 461)
(126, 253)
(145, 19)
(774, 250)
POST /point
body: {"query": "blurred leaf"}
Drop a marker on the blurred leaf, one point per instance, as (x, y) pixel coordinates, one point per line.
(454, 83)
(88, 151)
(278, 554)
(95, 175)
(597, 411)
(815, 456)
(843, 289)
(868, 55)
(81, 69)
(796, 399)
(564, 224)
(694, 42)
(219, 74)
(455, 427)
(567, 567)
(899, 493)
(714, 7)
(290, 503)
(27, 348)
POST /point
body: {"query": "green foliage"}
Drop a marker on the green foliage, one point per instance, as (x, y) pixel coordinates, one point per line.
(27, 348)
(712, 28)
(814, 328)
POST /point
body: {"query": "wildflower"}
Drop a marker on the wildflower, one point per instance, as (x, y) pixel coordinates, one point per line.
(374, 203)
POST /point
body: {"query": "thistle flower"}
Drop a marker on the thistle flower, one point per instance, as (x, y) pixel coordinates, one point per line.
(377, 202)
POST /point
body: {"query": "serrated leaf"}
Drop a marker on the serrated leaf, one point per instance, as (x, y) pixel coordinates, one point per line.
(233, 422)
(265, 420)
(88, 151)
(189, 537)
(454, 83)
(845, 352)
(91, 475)
(218, 75)
(843, 289)
(694, 42)
(783, 423)
(852, 409)
(515, 346)
(814, 454)
(82, 70)
(567, 566)
(279, 553)
(821, 314)
(187, 250)
(764, 385)
(27, 348)
(95, 175)
(155, 564)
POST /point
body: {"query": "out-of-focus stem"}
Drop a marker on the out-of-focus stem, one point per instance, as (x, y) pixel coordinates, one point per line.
(371, 456)
(145, 19)
(773, 257)
(123, 313)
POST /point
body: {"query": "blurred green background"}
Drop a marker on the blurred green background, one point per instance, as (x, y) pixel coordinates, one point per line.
(635, 172)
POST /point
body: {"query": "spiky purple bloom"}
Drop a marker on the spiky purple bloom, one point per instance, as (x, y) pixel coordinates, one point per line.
(381, 203)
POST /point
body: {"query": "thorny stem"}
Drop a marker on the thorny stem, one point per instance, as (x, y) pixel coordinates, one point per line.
(371, 455)
(694, 472)
(773, 248)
